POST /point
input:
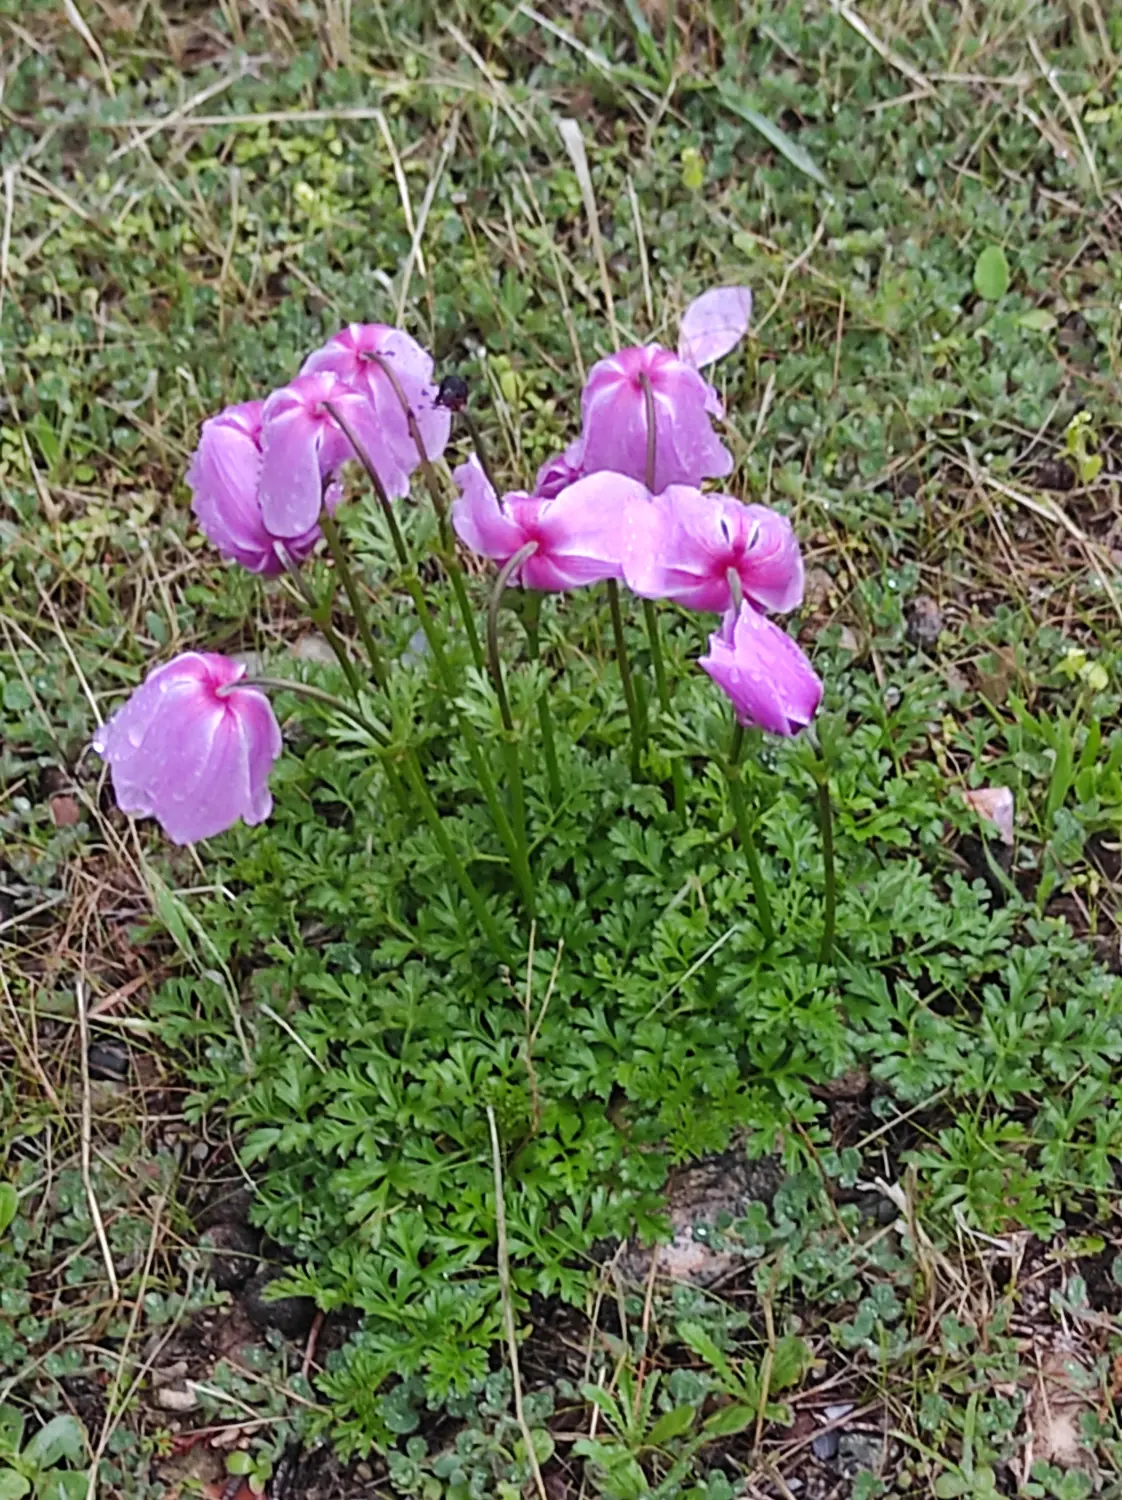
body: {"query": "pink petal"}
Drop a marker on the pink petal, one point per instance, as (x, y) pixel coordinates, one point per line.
(190, 756)
(291, 481)
(763, 671)
(995, 805)
(477, 518)
(581, 533)
(771, 571)
(714, 324)
(559, 472)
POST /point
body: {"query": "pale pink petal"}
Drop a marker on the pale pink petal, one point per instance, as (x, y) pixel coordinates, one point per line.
(559, 472)
(193, 757)
(684, 544)
(771, 566)
(581, 533)
(348, 355)
(477, 518)
(995, 805)
(714, 324)
(291, 479)
(768, 679)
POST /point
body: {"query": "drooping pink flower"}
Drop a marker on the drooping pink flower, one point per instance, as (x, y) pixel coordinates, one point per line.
(714, 324)
(302, 446)
(682, 544)
(224, 477)
(614, 417)
(559, 472)
(771, 683)
(578, 533)
(350, 355)
(192, 757)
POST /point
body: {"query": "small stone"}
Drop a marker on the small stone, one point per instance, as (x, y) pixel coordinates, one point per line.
(65, 812)
(925, 621)
(170, 1373)
(290, 1316)
(817, 589)
(825, 1445)
(861, 1451)
(233, 1254)
(313, 647)
(108, 1062)
(416, 650)
(175, 1400)
(364, 1472)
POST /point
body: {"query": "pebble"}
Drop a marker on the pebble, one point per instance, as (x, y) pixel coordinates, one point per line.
(290, 1316)
(925, 621)
(233, 1254)
(313, 647)
(175, 1400)
(109, 1062)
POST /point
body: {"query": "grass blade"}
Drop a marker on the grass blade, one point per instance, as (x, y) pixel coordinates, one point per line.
(797, 155)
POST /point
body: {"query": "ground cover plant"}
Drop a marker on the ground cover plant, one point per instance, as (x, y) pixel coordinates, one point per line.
(886, 1156)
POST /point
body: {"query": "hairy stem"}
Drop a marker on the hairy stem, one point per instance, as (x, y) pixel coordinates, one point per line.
(494, 657)
(545, 715)
(650, 613)
(320, 615)
(434, 637)
(463, 879)
(625, 678)
(744, 830)
(351, 589)
(436, 493)
(654, 636)
(480, 451)
(826, 826)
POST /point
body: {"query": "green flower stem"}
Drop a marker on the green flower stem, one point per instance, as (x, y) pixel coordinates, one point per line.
(650, 613)
(351, 589)
(652, 427)
(677, 776)
(320, 616)
(744, 829)
(626, 682)
(826, 826)
(414, 776)
(447, 541)
(440, 833)
(530, 617)
(435, 639)
(494, 657)
(318, 695)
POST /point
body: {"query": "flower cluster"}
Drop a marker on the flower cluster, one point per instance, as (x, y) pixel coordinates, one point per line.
(623, 503)
(264, 471)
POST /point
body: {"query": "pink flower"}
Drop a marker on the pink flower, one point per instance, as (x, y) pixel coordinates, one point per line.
(193, 758)
(224, 477)
(614, 416)
(558, 473)
(350, 355)
(714, 324)
(681, 545)
(578, 533)
(771, 683)
(302, 446)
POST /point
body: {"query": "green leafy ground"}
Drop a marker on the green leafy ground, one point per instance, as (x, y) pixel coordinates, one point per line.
(933, 1123)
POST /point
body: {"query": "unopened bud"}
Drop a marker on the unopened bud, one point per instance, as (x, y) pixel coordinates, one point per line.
(453, 393)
